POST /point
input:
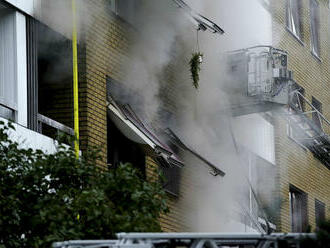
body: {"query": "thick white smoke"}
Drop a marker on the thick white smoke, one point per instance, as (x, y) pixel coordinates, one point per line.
(157, 69)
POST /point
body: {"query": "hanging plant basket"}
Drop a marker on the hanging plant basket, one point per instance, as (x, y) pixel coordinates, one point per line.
(195, 67)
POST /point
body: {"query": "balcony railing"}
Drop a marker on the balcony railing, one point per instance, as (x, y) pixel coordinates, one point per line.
(310, 126)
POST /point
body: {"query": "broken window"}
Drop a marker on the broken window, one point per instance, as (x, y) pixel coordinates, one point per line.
(316, 116)
(298, 207)
(8, 84)
(319, 212)
(315, 27)
(50, 94)
(130, 130)
(293, 17)
(123, 150)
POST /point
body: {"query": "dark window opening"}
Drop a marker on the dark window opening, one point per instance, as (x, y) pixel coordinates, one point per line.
(127, 9)
(316, 117)
(319, 212)
(50, 94)
(298, 207)
(171, 176)
(123, 150)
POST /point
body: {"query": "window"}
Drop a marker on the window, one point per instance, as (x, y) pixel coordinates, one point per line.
(113, 5)
(127, 9)
(171, 176)
(298, 210)
(8, 82)
(315, 27)
(50, 97)
(123, 150)
(319, 212)
(316, 117)
(297, 101)
(293, 18)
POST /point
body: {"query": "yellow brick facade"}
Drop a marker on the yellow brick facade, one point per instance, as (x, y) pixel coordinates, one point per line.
(296, 165)
(104, 47)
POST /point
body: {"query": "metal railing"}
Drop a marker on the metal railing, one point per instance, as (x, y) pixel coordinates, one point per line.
(54, 124)
(310, 125)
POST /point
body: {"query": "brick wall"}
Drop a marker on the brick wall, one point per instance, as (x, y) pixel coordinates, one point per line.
(103, 47)
(296, 165)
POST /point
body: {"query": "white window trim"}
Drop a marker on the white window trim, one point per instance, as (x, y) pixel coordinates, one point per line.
(290, 22)
(316, 54)
(21, 68)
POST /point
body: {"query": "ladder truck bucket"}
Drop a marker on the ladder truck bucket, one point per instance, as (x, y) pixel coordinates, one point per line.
(258, 79)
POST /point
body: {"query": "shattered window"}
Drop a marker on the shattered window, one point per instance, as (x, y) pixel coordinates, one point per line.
(293, 17)
(315, 27)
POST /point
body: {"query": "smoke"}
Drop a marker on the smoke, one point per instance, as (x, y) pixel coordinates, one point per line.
(157, 71)
(159, 82)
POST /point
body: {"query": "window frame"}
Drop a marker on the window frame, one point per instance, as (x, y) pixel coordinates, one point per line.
(303, 196)
(9, 105)
(319, 205)
(290, 130)
(291, 26)
(314, 5)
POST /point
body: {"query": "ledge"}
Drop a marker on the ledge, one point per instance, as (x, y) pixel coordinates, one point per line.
(316, 57)
(295, 36)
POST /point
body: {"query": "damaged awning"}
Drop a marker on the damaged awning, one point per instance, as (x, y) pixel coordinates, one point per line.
(164, 143)
(134, 129)
(179, 143)
(200, 21)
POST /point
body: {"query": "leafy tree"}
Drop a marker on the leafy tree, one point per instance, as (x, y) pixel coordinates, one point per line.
(55, 197)
(322, 237)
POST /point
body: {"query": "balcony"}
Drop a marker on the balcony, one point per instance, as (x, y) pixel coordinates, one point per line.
(308, 127)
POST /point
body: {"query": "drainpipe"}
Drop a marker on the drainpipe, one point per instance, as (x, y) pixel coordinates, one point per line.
(75, 79)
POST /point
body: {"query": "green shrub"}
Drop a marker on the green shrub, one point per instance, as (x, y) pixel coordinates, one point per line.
(55, 197)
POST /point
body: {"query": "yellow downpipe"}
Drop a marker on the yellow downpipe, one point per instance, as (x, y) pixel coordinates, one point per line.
(75, 79)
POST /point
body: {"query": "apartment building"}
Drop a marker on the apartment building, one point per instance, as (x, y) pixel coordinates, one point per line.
(298, 63)
(302, 29)
(37, 60)
(36, 75)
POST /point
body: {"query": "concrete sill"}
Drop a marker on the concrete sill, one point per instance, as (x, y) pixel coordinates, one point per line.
(316, 57)
(295, 36)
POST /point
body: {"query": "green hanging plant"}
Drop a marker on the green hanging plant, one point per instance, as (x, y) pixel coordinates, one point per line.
(195, 67)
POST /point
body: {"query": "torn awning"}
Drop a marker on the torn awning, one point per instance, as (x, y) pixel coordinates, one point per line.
(134, 129)
(179, 143)
(200, 21)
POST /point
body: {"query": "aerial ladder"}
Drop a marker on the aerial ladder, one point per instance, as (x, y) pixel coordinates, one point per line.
(191, 240)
